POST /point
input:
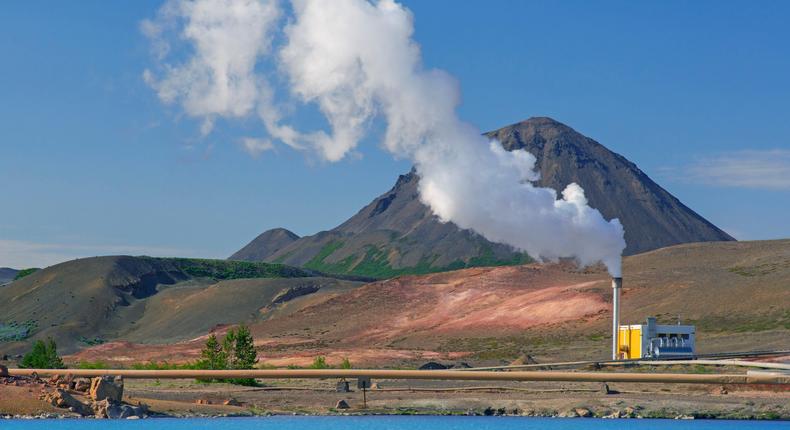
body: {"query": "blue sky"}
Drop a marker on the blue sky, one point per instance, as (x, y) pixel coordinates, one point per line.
(92, 163)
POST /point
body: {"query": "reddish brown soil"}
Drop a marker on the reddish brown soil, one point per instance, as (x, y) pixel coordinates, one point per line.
(736, 293)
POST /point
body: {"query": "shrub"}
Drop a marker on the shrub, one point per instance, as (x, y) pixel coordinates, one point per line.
(345, 364)
(43, 356)
(25, 272)
(319, 363)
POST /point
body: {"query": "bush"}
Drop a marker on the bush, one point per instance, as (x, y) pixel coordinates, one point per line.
(319, 363)
(43, 356)
(345, 364)
(25, 272)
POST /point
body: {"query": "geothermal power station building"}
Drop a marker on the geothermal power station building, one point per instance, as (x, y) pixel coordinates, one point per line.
(649, 340)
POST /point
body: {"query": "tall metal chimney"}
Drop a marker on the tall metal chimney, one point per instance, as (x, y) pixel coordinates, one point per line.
(617, 285)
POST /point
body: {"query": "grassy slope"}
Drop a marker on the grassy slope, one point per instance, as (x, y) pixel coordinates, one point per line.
(374, 263)
(229, 269)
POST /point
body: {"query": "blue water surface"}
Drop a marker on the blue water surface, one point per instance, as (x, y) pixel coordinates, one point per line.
(390, 423)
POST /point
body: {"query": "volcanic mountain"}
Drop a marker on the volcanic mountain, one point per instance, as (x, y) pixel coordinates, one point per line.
(397, 234)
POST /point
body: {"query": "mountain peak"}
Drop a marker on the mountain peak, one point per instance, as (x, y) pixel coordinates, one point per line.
(652, 217)
(539, 120)
(266, 244)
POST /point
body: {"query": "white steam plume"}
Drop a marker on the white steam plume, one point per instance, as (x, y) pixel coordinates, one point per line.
(357, 61)
(228, 37)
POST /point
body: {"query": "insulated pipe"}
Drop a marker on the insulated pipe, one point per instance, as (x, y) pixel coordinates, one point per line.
(617, 284)
(683, 378)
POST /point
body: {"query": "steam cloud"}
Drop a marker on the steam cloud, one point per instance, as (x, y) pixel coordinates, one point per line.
(357, 61)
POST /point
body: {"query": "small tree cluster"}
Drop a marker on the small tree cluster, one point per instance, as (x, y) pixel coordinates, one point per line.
(237, 351)
(44, 355)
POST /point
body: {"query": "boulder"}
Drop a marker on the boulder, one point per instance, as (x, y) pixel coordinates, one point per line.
(128, 411)
(523, 359)
(62, 399)
(82, 385)
(342, 404)
(231, 402)
(605, 389)
(109, 409)
(106, 387)
(114, 411)
(100, 408)
(583, 412)
(432, 365)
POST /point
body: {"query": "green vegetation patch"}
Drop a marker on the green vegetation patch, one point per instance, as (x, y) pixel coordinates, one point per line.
(320, 363)
(15, 331)
(318, 263)
(487, 259)
(44, 355)
(375, 262)
(93, 341)
(231, 269)
(25, 272)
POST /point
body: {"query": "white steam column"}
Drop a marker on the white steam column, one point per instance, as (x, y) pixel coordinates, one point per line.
(617, 284)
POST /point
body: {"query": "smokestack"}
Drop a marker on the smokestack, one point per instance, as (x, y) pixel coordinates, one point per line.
(617, 285)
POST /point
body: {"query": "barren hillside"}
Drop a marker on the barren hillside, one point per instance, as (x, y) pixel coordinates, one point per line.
(738, 293)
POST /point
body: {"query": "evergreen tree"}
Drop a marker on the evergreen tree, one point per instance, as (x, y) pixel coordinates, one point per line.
(213, 355)
(246, 356)
(229, 349)
(239, 349)
(43, 356)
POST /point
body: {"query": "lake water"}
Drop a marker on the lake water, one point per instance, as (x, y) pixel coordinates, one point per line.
(390, 423)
